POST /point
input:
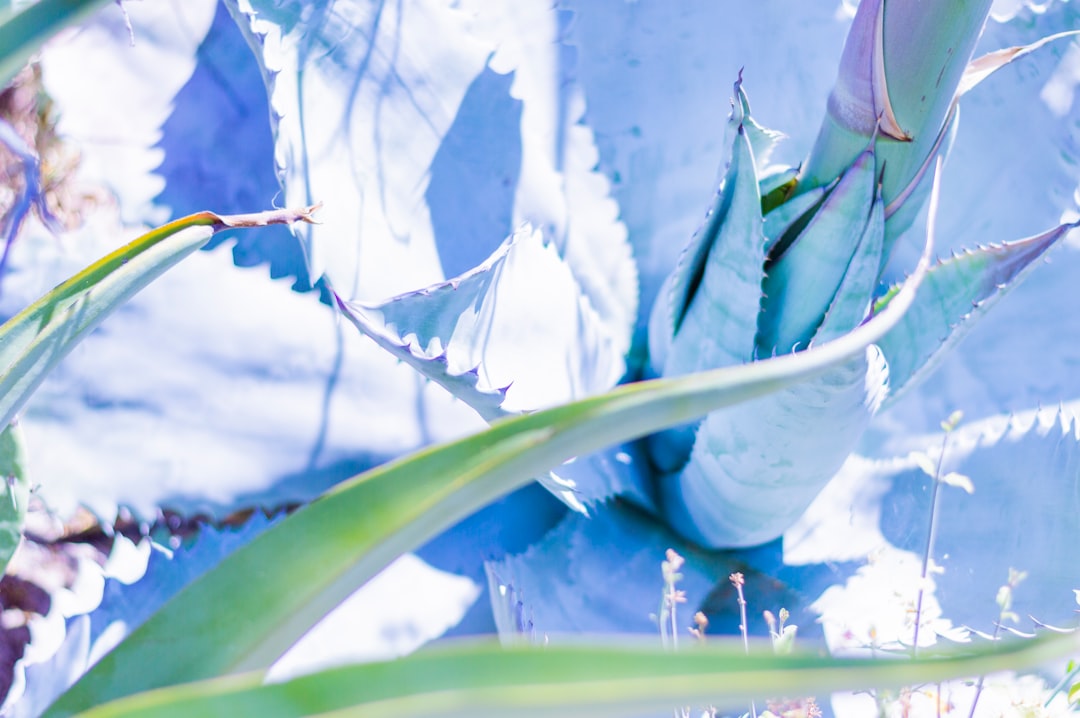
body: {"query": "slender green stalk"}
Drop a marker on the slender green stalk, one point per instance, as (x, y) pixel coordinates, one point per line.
(303, 567)
(605, 679)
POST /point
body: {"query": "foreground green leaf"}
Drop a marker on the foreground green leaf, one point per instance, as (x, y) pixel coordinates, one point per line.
(15, 496)
(485, 679)
(37, 338)
(23, 32)
(300, 569)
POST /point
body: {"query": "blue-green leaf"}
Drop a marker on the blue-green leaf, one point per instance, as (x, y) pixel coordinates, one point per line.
(479, 335)
(706, 317)
(800, 285)
(755, 468)
(1025, 508)
(957, 294)
(15, 493)
(852, 301)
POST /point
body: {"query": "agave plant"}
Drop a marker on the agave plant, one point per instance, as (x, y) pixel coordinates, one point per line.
(445, 129)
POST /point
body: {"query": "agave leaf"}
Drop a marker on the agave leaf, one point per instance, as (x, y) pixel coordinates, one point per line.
(400, 199)
(958, 293)
(16, 491)
(852, 301)
(357, 124)
(478, 336)
(661, 147)
(566, 583)
(982, 67)
(24, 31)
(755, 468)
(905, 88)
(36, 339)
(801, 284)
(203, 164)
(780, 220)
(123, 606)
(762, 141)
(295, 582)
(117, 125)
(1024, 509)
(602, 679)
(707, 315)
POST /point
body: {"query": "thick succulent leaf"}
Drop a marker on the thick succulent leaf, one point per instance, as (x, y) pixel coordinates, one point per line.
(755, 468)
(659, 139)
(888, 84)
(204, 165)
(800, 285)
(996, 370)
(599, 575)
(852, 301)
(144, 134)
(1025, 508)
(706, 317)
(24, 31)
(779, 220)
(115, 125)
(762, 141)
(710, 318)
(296, 581)
(603, 679)
(358, 123)
(558, 187)
(123, 605)
(36, 339)
(957, 294)
(14, 472)
(74, 400)
(408, 197)
(1036, 93)
(480, 336)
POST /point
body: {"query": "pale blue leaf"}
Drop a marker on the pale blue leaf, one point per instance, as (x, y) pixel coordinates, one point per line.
(212, 390)
(123, 606)
(226, 164)
(958, 292)
(1024, 511)
(116, 124)
(706, 316)
(598, 575)
(852, 301)
(603, 575)
(560, 188)
(779, 220)
(999, 186)
(362, 96)
(801, 284)
(709, 318)
(762, 140)
(755, 468)
(480, 336)
(1019, 123)
(653, 76)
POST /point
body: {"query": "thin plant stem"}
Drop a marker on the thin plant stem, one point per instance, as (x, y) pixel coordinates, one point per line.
(931, 534)
(738, 581)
